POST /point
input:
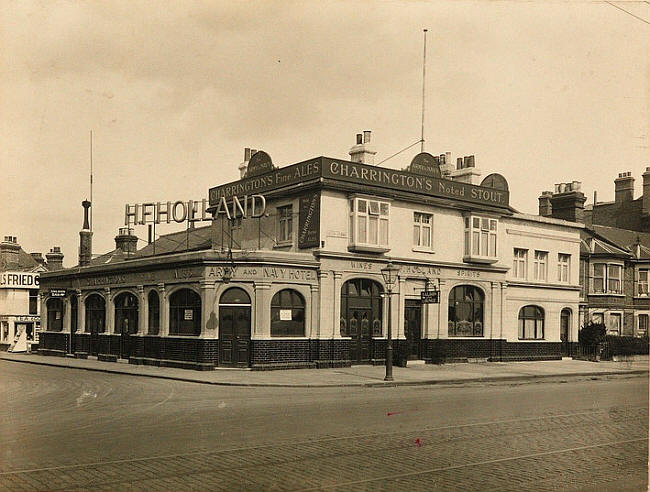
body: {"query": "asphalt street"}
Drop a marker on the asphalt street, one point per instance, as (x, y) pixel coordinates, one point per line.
(69, 429)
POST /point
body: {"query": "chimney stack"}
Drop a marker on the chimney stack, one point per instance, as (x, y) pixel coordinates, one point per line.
(85, 238)
(54, 259)
(466, 171)
(645, 207)
(624, 188)
(243, 167)
(363, 152)
(567, 203)
(545, 209)
(126, 240)
(9, 249)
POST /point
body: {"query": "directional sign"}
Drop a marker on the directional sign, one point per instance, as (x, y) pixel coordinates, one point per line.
(430, 296)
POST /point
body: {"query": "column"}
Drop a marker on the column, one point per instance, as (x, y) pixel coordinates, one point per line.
(143, 311)
(110, 311)
(43, 302)
(315, 310)
(262, 312)
(81, 307)
(335, 326)
(326, 305)
(208, 315)
(493, 308)
(164, 311)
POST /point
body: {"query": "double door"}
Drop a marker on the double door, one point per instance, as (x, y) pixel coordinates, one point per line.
(234, 335)
(413, 328)
(360, 334)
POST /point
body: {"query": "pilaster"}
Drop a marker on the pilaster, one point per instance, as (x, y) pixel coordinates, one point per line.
(81, 306)
(164, 311)
(110, 311)
(262, 312)
(67, 312)
(398, 308)
(143, 311)
(335, 327)
(313, 311)
(208, 316)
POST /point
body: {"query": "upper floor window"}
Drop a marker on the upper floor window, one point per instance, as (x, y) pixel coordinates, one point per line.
(607, 279)
(480, 239)
(563, 266)
(285, 224)
(33, 301)
(540, 265)
(369, 224)
(520, 263)
(422, 230)
(642, 283)
(531, 323)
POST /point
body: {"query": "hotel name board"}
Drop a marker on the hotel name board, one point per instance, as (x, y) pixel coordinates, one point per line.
(18, 280)
(362, 174)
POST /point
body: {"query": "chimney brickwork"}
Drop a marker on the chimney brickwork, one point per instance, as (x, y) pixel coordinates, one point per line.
(126, 240)
(85, 238)
(363, 152)
(54, 258)
(567, 203)
(624, 188)
(645, 207)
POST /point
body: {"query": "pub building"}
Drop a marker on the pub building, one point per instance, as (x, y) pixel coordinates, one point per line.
(288, 272)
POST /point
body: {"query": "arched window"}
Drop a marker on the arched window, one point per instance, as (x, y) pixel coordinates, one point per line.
(531, 323)
(361, 308)
(287, 314)
(235, 295)
(54, 315)
(126, 313)
(185, 313)
(466, 311)
(95, 314)
(154, 312)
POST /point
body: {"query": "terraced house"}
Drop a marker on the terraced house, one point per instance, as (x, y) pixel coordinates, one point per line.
(288, 272)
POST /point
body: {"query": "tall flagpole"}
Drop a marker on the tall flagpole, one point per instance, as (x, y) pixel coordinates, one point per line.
(91, 180)
(424, 73)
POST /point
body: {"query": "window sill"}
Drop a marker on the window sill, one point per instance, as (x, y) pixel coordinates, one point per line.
(465, 336)
(606, 294)
(368, 248)
(420, 249)
(479, 259)
(283, 244)
(531, 339)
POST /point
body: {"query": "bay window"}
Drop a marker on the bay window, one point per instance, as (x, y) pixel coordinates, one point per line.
(607, 278)
(369, 225)
(642, 283)
(480, 239)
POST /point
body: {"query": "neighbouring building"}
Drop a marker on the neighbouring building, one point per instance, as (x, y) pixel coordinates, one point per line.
(287, 273)
(20, 314)
(614, 261)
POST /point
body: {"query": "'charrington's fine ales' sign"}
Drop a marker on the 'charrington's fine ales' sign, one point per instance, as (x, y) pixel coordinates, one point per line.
(362, 174)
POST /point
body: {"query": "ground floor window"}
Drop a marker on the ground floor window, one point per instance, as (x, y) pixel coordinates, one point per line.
(154, 312)
(55, 315)
(643, 325)
(126, 313)
(185, 313)
(287, 314)
(466, 306)
(95, 314)
(361, 308)
(531, 323)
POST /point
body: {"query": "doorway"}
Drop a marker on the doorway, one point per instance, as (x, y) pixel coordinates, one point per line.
(361, 316)
(413, 328)
(234, 328)
(126, 321)
(565, 327)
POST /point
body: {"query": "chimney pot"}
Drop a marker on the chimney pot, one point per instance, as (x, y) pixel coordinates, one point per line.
(359, 138)
(459, 163)
(366, 136)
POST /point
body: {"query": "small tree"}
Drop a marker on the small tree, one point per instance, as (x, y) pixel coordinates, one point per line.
(592, 334)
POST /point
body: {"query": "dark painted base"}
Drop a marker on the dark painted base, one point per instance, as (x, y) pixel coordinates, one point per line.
(203, 354)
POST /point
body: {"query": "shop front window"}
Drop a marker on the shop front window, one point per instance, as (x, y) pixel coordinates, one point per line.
(185, 313)
(466, 306)
(126, 313)
(361, 308)
(287, 314)
(95, 314)
(154, 312)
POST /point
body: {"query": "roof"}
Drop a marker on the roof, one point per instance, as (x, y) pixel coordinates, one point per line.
(616, 241)
(193, 239)
(22, 262)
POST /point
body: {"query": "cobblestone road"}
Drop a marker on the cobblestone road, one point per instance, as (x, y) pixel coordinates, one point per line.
(602, 448)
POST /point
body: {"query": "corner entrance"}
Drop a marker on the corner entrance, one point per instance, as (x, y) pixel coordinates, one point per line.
(234, 328)
(413, 328)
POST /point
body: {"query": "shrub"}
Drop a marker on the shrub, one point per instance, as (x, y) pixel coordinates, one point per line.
(627, 345)
(592, 334)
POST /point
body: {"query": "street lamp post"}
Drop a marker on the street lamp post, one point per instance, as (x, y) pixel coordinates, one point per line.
(389, 272)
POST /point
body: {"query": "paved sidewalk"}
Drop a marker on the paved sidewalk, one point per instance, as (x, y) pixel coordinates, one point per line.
(414, 374)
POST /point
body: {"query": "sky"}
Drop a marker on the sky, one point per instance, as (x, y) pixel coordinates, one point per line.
(541, 92)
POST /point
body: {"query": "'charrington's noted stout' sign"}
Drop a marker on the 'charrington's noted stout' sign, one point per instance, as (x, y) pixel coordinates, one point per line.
(362, 174)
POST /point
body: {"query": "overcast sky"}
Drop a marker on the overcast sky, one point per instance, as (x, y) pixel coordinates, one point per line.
(540, 92)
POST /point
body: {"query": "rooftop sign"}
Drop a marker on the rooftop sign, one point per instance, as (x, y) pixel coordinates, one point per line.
(362, 174)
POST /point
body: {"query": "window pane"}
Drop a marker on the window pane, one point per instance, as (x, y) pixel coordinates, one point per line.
(383, 209)
(467, 243)
(416, 235)
(493, 245)
(485, 224)
(475, 242)
(383, 232)
(362, 229)
(372, 230)
(373, 207)
(476, 223)
(362, 206)
(484, 243)
(426, 237)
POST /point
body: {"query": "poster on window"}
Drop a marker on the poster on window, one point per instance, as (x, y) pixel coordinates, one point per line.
(188, 315)
(285, 315)
(309, 221)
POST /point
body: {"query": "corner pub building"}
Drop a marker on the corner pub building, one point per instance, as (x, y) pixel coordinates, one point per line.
(288, 273)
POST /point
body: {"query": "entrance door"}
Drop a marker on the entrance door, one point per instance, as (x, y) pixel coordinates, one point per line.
(234, 328)
(361, 316)
(413, 328)
(126, 321)
(565, 322)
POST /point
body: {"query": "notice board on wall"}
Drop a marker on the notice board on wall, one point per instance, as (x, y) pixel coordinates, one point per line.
(309, 220)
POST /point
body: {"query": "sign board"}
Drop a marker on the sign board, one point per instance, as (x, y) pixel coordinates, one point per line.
(285, 315)
(188, 315)
(425, 163)
(259, 163)
(430, 296)
(309, 221)
(57, 292)
(18, 280)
